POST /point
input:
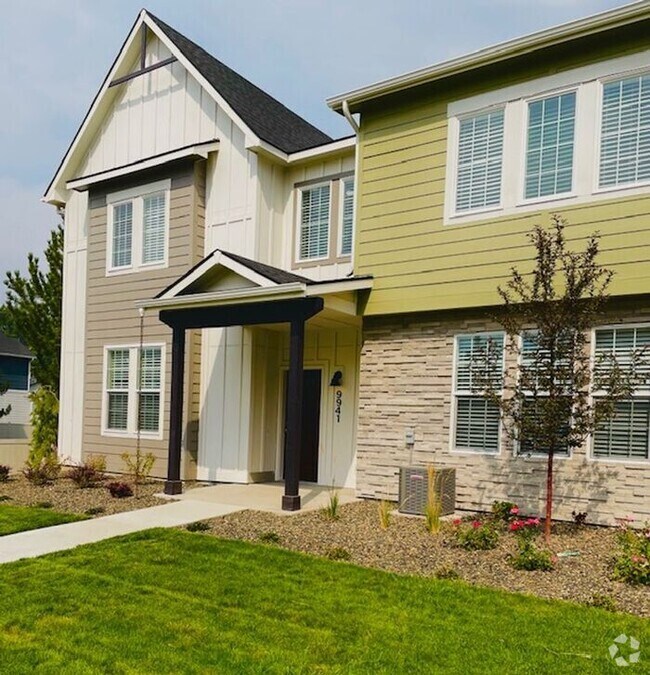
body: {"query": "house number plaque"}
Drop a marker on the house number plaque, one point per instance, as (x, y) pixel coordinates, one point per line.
(338, 400)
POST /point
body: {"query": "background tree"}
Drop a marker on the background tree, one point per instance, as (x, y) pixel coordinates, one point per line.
(4, 411)
(545, 399)
(32, 313)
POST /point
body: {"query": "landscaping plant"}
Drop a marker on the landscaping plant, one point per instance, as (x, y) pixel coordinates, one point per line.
(138, 466)
(528, 556)
(579, 518)
(4, 473)
(385, 512)
(43, 471)
(504, 511)
(632, 561)
(475, 535)
(332, 510)
(198, 526)
(120, 490)
(338, 553)
(270, 537)
(545, 399)
(89, 473)
(433, 507)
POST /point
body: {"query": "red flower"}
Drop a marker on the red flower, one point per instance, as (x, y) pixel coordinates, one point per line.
(457, 521)
(476, 524)
(514, 510)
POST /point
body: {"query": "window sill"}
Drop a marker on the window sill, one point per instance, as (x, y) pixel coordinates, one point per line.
(148, 435)
(469, 451)
(625, 461)
(134, 269)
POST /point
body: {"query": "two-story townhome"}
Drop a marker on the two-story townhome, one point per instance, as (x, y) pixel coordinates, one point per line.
(251, 300)
(191, 194)
(457, 163)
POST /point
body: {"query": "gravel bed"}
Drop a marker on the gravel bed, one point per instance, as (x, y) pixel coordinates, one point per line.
(407, 548)
(63, 495)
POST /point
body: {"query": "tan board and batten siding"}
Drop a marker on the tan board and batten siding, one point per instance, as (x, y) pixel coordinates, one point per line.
(420, 263)
(112, 318)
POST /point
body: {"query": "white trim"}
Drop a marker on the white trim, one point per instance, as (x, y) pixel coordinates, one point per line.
(630, 13)
(454, 396)
(136, 196)
(587, 83)
(341, 216)
(199, 150)
(335, 146)
(341, 286)
(299, 191)
(133, 391)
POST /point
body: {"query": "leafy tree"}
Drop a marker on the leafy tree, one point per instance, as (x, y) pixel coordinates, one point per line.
(4, 411)
(32, 311)
(547, 315)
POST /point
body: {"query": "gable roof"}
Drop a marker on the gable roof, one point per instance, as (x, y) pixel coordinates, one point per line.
(266, 116)
(12, 347)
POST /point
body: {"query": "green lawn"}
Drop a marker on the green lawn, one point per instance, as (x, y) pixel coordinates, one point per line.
(19, 518)
(175, 602)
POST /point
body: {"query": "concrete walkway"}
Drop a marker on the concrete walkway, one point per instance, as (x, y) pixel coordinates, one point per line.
(63, 537)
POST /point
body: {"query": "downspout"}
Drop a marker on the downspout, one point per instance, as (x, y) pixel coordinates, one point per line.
(348, 116)
(345, 108)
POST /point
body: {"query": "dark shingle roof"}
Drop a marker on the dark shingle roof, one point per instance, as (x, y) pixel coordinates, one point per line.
(274, 274)
(266, 117)
(11, 347)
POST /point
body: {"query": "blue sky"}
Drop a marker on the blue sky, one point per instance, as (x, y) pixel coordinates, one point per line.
(55, 53)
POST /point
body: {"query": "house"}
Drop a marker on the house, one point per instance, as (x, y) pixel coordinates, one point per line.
(15, 379)
(252, 300)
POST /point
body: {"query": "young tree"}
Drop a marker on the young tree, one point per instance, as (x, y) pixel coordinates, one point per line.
(4, 411)
(545, 399)
(32, 313)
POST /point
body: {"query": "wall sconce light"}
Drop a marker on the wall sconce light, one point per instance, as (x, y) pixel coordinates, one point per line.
(337, 379)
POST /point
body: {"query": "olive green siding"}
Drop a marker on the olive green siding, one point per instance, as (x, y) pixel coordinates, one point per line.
(421, 264)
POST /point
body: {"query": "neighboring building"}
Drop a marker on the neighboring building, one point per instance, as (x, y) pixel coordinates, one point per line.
(231, 222)
(15, 375)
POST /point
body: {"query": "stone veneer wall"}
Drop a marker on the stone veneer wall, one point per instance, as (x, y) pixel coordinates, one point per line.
(406, 382)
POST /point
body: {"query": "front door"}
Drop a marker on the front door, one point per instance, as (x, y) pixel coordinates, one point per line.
(311, 390)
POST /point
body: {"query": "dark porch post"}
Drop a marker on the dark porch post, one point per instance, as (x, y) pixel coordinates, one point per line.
(291, 497)
(173, 484)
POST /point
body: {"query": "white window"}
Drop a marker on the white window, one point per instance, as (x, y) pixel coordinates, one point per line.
(347, 216)
(549, 152)
(480, 158)
(625, 435)
(477, 420)
(625, 132)
(133, 390)
(138, 228)
(314, 222)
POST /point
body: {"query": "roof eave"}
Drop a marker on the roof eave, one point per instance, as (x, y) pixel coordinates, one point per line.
(616, 18)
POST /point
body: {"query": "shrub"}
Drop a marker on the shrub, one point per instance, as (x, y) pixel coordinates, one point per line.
(477, 536)
(199, 526)
(5, 498)
(45, 422)
(528, 556)
(579, 518)
(632, 561)
(94, 510)
(332, 510)
(43, 471)
(504, 511)
(89, 473)
(138, 466)
(602, 601)
(446, 572)
(270, 537)
(4, 473)
(338, 553)
(385, 513)
(120, 490)
(433, 507)
(44, 505)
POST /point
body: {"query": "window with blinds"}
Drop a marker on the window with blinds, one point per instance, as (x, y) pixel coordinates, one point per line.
(117, 386)
(549, 153)
(625, 435)
(154, 228)
(480, 155)
(347, 224)
(122, 234)
(149, 391)
(315, 222)
(625, 132)
(477, 420)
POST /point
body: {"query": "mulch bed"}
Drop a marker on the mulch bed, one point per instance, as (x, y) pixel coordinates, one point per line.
(63, 495)
(407, 548)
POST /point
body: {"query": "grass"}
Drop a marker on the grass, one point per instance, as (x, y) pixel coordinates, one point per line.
(173, 602)
(20, 518)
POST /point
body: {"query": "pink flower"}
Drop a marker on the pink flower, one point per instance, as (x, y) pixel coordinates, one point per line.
(516, 525)
(476, 524)
(533, 522)
(514, 510)
(457, 521)
(637, 559)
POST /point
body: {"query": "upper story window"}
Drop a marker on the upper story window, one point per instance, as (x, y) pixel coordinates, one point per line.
(138, 228)
(14, 373)
(625, 132)
(325, 227)
(549, 153)
(480, 154)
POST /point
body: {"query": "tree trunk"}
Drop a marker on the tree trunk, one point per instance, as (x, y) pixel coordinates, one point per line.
(549, 497)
